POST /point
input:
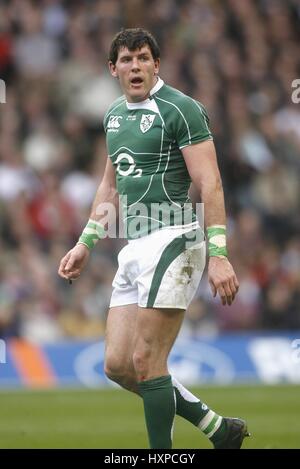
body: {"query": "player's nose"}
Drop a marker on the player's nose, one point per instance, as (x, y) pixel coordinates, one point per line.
(135, 64)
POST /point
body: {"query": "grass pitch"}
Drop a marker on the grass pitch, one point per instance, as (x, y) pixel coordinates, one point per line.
(113, 418)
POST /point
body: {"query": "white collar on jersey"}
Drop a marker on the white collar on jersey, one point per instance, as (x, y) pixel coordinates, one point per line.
(155, 88)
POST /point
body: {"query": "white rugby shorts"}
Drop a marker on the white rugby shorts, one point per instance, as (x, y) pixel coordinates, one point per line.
(160, 270)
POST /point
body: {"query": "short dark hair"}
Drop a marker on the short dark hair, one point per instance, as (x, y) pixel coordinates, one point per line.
(133, 39)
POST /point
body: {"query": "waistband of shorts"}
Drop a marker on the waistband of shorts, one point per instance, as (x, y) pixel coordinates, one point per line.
(174, 229)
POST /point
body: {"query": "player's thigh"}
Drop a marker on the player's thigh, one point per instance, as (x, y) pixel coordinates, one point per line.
(172, 276)
(156, 330)
(119, 334)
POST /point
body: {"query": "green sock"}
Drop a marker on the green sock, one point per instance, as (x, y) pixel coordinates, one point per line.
(192, 409)
(159, 407)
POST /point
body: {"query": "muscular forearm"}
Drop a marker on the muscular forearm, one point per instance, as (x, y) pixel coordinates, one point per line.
(202, 165)
(213, 199)
(104, 210)
(105, 205)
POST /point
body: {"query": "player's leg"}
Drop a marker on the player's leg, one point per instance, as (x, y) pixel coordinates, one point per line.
(174, 282)
(119, 346)
(156, 331)
(163, 396)
(121, 323)
(120, 327)
(223, 432)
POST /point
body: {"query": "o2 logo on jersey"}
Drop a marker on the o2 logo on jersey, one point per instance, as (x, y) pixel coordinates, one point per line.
(125, 158)
(113, 123)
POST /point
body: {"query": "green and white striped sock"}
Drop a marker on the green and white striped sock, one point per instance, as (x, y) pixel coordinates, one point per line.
(198, 413)
(213, 426)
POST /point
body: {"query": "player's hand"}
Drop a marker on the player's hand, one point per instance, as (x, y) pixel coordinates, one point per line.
(73, 262)
(222, 279)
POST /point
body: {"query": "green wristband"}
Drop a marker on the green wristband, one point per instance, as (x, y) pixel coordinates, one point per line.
(217, 241)
(91, 234)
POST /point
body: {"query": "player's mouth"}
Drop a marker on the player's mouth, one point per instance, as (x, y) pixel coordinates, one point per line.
(136, 82)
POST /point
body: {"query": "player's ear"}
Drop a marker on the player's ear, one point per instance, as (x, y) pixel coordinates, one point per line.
(112, 69)
(156, 66)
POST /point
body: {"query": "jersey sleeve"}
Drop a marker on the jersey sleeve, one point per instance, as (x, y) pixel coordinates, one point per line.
(192, 124)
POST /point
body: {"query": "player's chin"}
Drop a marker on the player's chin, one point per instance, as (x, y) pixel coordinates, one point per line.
(138, 88)
(137, 93)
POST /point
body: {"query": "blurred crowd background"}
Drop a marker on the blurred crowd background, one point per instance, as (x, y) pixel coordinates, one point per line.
(239, 58)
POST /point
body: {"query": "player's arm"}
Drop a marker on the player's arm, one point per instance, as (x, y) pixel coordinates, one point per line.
(106, 195)
(74, 261)
(203, 168)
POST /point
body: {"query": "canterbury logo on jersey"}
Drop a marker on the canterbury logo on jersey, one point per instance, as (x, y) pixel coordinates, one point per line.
(113, 123)
(146, 122)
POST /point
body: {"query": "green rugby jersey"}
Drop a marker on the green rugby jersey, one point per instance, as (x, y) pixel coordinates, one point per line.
(144, 142)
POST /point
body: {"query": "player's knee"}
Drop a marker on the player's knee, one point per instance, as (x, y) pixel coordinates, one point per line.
(115, 369)
(141, 362)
